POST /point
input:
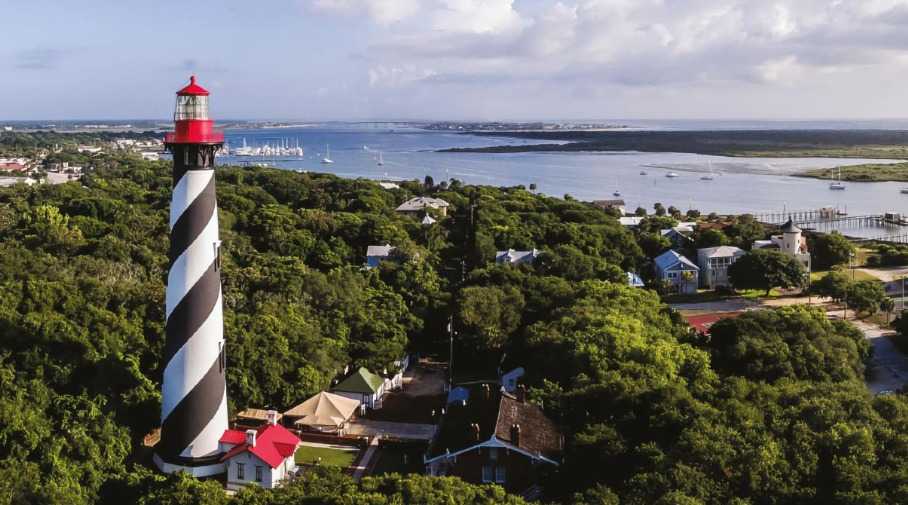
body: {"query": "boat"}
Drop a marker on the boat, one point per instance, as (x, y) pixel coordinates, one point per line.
(905, 191)
(616, 193)
(671, 175)
(243, 151)
(643, 172)
(327, 159)
(837, 184)
(709, 176)
(381, 160)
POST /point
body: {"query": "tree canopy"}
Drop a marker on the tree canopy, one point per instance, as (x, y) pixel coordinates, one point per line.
(766, 269)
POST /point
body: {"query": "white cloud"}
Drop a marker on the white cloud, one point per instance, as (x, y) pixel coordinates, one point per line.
(577, 47)
(382, 11)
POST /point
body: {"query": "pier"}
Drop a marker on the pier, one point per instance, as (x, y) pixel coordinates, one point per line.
(830, 219)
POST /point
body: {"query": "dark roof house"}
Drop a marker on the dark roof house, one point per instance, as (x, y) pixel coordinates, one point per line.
(494, 436)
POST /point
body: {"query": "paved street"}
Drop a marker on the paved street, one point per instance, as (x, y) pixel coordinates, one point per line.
(886, 274)
(889, 365)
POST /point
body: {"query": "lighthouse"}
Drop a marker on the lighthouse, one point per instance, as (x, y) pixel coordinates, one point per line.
(194, 395)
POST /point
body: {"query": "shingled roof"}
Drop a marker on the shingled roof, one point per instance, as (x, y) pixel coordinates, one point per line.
(495, 412)
(360, 381)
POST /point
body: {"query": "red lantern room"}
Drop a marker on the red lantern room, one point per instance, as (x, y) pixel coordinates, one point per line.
(191, 121)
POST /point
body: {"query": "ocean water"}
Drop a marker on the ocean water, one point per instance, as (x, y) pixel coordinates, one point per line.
(739, 184)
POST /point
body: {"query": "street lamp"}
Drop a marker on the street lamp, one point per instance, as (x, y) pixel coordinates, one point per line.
(850, 265)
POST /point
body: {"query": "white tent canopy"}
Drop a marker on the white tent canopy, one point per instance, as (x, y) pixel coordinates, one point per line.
(323, 412)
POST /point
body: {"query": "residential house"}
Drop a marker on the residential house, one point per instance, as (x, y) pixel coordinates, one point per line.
(262, 456)
(679, 274)
(388, 185)
(493, 436)
(363, 386)
(791, 242)
(714, 263)
(634, 280)
(618, 205)
(375, 254)
(678, 236)
(513, 257)
(420, 204)
(630, 221)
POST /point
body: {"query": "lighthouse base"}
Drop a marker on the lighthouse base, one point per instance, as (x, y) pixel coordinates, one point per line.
(201, 467)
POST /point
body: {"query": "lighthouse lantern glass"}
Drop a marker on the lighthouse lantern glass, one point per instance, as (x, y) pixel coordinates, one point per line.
(191, 107)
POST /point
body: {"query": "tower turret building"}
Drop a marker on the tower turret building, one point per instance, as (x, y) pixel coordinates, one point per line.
(194, 396)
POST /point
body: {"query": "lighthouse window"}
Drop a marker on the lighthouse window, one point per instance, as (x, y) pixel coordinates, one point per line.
(217, 255)
(222, 357)
(191, 107)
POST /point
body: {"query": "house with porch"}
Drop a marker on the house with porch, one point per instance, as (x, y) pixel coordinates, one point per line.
(714, 263)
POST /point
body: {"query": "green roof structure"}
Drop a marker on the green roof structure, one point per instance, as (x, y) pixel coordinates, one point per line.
(360, 381)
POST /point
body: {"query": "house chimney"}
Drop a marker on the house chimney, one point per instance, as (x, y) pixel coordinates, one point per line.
(250, 438)
(515, 434)
(474, 428)
(521, 393)
(271, 416)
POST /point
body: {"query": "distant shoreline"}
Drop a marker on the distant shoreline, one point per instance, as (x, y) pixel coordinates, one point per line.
(869, 144)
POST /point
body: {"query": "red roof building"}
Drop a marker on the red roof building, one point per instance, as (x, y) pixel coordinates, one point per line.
(263, 456)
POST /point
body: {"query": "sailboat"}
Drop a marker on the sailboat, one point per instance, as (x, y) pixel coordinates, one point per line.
(243, 151)
(837, 184)
(671, 175)
(709, 176)
(381, 160)
(327, 159)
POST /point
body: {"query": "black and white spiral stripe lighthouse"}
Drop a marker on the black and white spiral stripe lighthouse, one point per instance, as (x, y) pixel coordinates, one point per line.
(194, 397)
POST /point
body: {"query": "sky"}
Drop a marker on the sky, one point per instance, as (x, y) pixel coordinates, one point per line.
(457, 59)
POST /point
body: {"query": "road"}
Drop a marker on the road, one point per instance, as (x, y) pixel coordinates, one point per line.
(886, 274)
(889, 366)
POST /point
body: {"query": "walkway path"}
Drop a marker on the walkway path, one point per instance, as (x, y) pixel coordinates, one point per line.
(363, 463)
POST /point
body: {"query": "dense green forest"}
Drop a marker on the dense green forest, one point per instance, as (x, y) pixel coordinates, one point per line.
(771, 409)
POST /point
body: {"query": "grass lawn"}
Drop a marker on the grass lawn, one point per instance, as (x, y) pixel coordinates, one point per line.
(753, 294)
(865, 173)
(858, 275)
(329, 456)
(698, 297)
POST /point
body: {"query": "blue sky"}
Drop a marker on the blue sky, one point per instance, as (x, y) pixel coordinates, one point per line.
(458, 59)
